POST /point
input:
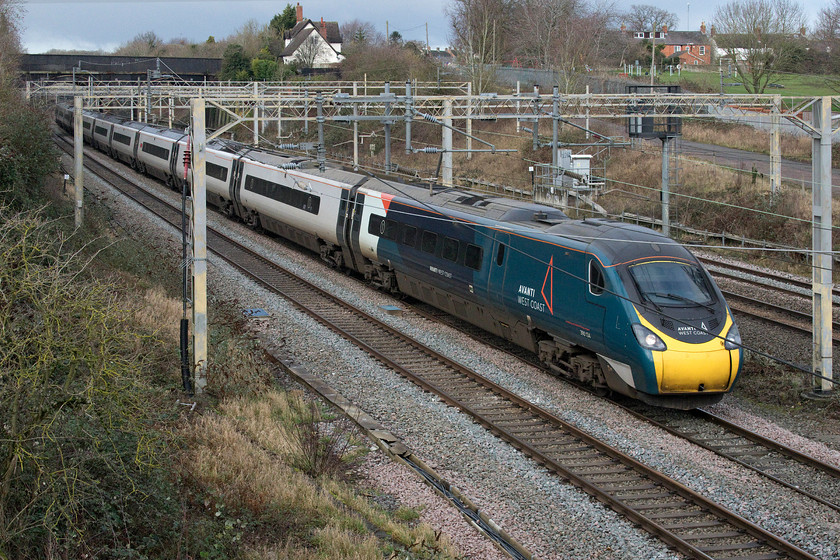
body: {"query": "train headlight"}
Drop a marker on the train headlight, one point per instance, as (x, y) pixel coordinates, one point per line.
(648, 339)
(733, 339)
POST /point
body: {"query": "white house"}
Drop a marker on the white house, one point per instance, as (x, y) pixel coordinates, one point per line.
(312, 44)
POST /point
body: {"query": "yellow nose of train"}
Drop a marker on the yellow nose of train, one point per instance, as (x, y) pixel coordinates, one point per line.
(695, 367)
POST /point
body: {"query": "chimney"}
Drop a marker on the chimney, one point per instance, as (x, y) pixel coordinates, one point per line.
(712, 31)
(623, 28)
(323, 28)
(664, 30)
(802, 31)
(299, 12)
(703, 28)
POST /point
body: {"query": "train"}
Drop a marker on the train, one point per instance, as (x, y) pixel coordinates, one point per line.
(615, 306)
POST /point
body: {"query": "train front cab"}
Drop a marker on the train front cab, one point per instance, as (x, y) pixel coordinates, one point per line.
(687, 346)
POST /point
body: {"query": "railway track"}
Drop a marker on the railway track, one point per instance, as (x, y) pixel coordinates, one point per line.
(677, 515)
(777, 462)
(798, 291)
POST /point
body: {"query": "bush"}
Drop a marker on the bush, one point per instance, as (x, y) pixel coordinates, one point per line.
(27, 153)
(77, 455)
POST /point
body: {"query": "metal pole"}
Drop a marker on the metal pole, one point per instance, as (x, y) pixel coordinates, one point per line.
(446, 158)
(408, 116)
(776, 145)
(555, 125)
(469, 119)
(822, 262)
(536, 130)
(279, 115)
(78, 154)
(322, 151)
(171, 109)
(355, 129)
(256, 115)
(517, 107)
(199, 245)
(387, 131)
(666, 195)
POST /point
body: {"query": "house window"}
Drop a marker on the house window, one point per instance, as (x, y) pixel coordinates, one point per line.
(702, 50)
(638, 35)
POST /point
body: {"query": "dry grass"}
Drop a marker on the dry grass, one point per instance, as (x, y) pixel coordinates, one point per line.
(158, 313)
(745, 137)
(244, 458)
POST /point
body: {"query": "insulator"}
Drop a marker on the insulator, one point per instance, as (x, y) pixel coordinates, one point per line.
(428, 150)
(290, 166)
(430, 118)
(288, 146)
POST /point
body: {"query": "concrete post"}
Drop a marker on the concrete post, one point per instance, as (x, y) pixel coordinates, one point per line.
(199, 244)
(446, 170)
(78, 154)
(776, 145)
(822, 263)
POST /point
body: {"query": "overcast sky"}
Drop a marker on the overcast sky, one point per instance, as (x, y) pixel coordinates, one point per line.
(104, 25)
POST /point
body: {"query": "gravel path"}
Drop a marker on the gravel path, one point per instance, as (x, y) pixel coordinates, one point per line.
(548, 516)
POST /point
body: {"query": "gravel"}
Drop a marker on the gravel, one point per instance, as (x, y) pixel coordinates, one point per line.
(548, 516)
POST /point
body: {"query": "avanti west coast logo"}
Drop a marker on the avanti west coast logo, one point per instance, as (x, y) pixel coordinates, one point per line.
(527, 296)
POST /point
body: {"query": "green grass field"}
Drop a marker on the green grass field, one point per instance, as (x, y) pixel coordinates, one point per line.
(793, 84)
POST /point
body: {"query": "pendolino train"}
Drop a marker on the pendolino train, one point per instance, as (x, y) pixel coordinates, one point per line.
(616, 306)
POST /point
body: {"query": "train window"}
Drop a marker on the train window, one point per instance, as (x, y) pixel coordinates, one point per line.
(155, 150)
(408, 235)
(86, 125)
(283, 194)
(597, 281)
(390, 230)
(450, 249)
(101, 130)
(376, 225)
(500, 254)
(122, 138)
(428, 241)
(473, 256)
(216, 171)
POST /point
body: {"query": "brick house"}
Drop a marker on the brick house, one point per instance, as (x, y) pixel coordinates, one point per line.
(692, 48)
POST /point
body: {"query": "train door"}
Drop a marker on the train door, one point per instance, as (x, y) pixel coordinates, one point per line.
(350, 219)
(356, 212)
(173, 162)
(498, 266)
(236, 169)
(596, 294)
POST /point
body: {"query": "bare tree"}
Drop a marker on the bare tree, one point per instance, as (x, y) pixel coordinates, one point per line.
(307, 53)
(360, 32)
(643, 17)
(479, 30)
(579, 47)
(9, 40)
(544, 21)
(143, 44)
(759, 37)
(828, 24)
